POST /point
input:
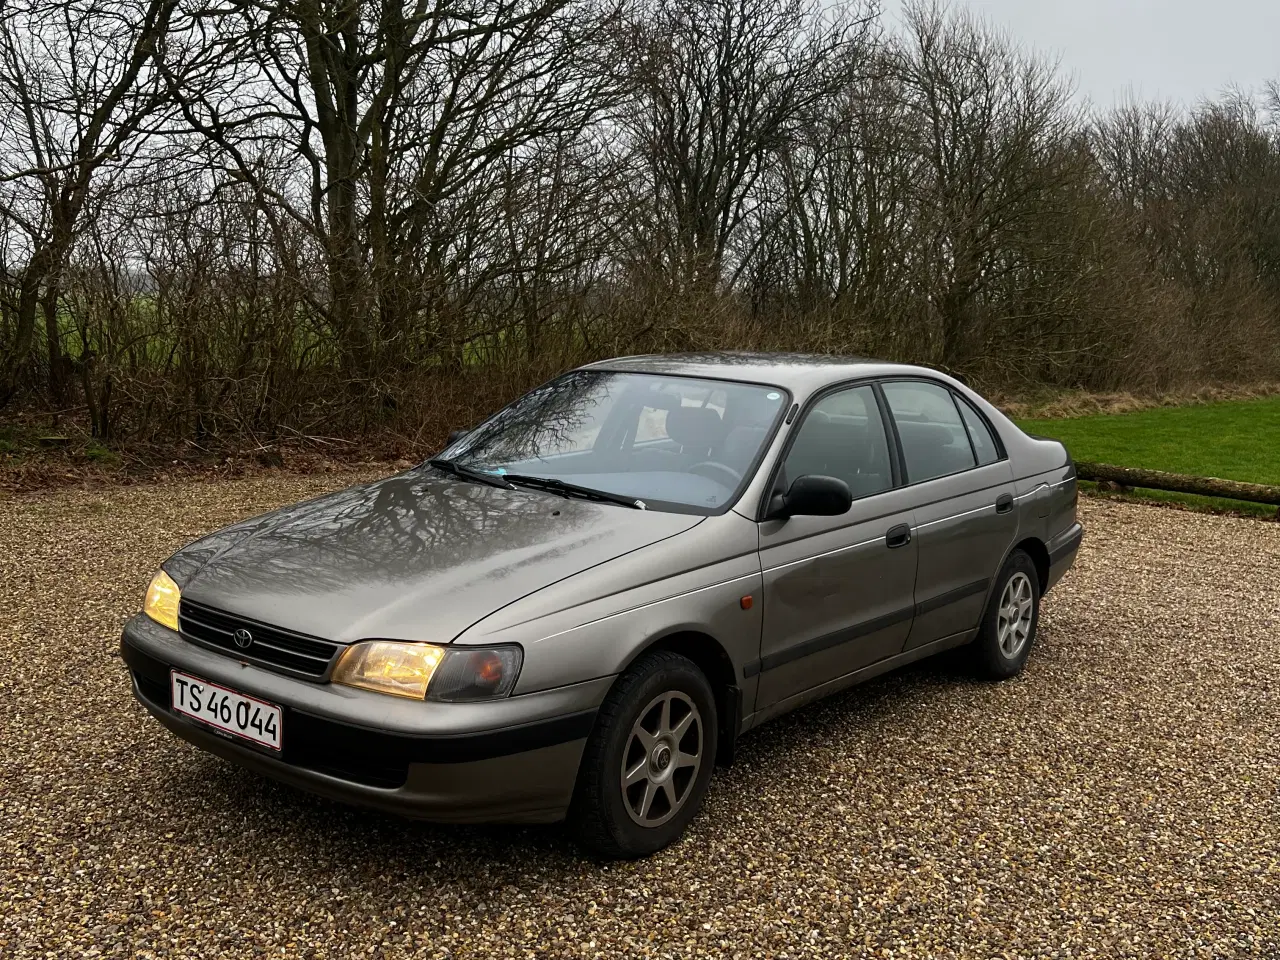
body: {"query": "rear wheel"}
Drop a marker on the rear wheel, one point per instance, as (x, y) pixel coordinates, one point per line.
(648, 762)
(1008, 628)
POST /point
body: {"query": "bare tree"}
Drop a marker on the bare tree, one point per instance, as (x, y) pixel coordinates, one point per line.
(721, 88)
(990, 123)
(397, 121)
(221, 210)
(834, 226)
(81, 101)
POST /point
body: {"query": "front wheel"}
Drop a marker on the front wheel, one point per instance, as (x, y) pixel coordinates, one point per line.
(1008, 627)
(648, 762)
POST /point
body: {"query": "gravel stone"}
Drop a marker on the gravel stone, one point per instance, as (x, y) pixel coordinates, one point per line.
(1119, 799)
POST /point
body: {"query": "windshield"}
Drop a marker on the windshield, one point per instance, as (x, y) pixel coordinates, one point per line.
(671, 442)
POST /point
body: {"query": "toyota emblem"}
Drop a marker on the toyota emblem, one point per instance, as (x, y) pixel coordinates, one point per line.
(243, 638)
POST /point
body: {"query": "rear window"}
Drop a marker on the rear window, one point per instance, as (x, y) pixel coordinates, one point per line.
(934, 440)
(984, 444)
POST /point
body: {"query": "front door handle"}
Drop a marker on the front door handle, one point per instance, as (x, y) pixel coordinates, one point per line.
(1004, 503)
(898, 536)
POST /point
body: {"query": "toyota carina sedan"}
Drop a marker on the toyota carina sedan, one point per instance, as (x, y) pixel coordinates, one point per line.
(580, 605)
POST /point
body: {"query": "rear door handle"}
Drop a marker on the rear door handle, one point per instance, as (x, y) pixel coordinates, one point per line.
(898, 536)
(1004, 503)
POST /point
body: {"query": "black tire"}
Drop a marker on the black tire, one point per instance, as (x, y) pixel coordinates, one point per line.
(598, 815)
(989, 658)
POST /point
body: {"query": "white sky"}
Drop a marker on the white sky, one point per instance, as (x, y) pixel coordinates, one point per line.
(1179, 50)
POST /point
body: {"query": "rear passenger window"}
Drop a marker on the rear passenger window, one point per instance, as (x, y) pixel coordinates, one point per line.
(984, 444)
(934, 440)
(843, 436)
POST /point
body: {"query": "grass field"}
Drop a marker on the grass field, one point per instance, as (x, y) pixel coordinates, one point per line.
(1233, 441)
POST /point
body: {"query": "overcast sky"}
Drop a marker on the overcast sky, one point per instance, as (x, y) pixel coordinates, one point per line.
(1167, 49)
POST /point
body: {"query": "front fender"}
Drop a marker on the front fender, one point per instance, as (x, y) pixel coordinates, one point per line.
(595, 623)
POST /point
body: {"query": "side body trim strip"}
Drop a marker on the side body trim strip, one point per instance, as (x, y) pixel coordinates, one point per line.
(866, 627)
(826, 642)
(953, 596)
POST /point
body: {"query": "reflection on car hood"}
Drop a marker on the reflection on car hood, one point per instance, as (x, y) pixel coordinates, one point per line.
(417, 556)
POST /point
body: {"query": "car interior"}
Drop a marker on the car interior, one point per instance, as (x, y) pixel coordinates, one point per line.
(670, 446)
(843, 437)
(697, 449)
(933, 449)
(841, 446)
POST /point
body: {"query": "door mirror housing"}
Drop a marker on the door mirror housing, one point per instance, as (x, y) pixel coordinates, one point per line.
(813, 496)
(455, 435)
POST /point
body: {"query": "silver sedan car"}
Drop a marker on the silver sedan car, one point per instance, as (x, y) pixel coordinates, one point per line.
(580, 605)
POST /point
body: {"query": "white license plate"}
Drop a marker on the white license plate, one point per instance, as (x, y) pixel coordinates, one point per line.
(225, 709)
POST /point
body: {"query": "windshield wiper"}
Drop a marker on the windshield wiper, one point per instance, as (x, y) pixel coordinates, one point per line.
(470, 473)
(553, 485)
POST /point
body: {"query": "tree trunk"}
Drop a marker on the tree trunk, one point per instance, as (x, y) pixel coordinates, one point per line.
(38, 284)
(57, 361)
(1178, 483)
(97, 398)
(13, 360)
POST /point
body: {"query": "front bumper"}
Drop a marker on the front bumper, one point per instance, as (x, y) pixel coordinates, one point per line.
(512, 760)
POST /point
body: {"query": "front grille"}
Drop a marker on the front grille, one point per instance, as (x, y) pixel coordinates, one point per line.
(273, 646)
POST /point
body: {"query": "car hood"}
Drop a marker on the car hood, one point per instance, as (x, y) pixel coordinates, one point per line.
(417, 556)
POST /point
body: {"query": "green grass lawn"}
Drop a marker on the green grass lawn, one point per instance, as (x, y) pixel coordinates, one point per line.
(1233, 441)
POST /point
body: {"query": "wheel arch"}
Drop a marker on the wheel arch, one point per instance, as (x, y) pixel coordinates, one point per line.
(1035, 548)
(710, 656)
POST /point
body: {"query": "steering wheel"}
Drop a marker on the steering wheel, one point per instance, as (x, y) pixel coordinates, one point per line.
(710, 469)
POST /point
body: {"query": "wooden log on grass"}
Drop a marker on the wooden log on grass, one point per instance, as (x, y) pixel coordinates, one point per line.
(1179, 483)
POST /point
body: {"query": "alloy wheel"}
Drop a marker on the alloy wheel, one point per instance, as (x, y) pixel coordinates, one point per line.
(662, 758)
(1017, 607)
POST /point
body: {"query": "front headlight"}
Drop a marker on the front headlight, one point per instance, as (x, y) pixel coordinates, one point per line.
(161, 604)
(427, 671)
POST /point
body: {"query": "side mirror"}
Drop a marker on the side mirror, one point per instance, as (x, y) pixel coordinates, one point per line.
(455, 435)
(814, 496)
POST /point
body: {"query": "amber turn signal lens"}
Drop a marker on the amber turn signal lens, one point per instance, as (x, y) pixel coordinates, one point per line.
(476, 673)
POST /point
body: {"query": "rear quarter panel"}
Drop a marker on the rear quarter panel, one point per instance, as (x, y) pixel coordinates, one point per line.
(1043, 473)
(1047, 491)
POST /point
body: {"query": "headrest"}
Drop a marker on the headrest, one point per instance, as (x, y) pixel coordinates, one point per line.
(924, 433)
(822, 431)
(742, 443)
(697, 427)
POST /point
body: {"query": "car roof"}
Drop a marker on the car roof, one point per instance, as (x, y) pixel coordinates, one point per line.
(798, 372)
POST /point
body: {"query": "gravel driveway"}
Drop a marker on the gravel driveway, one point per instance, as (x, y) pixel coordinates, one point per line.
(1119, 799)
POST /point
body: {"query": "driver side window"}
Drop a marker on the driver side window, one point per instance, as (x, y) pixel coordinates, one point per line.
(843, 436)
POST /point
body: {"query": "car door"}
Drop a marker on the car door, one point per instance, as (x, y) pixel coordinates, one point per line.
(961, 487)
(837, 590)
